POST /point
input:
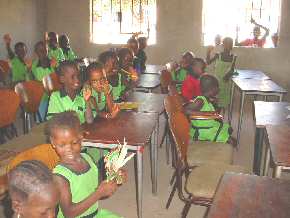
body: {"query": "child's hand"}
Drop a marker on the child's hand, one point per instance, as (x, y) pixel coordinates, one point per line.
(53, 62)
(107, 189)
(115, 111)
(106, 88)
(28, 63)
(7, 38)
(46, 37)
(87, 93)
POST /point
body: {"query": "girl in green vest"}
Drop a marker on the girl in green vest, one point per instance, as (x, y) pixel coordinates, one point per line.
(208, 130)
(76, 175)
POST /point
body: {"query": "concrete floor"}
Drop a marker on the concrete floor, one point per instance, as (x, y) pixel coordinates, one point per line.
(123, 201)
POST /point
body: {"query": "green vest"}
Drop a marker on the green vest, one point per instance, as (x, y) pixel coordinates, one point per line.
(179, 77)
(57, 54)
(19, 70)
(70, 56)
(117, 90)
(82, 185)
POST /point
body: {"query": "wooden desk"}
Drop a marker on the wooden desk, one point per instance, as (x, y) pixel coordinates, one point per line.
(137, 128)
(251, 74)
(153, 69)
(248, 196)
(266, 113)
(148, 81)
(279, 147)
(253, 87)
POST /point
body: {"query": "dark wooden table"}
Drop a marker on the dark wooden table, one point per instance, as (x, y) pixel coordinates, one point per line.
(278, 148)
(137, 129)
(266, 113)
(153, 69)
(248, 196)
(253, 87)
(148, 81)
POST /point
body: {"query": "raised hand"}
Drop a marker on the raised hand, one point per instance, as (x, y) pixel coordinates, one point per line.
(87, 92)
(53, 62)
(7, 38)
(28, 63)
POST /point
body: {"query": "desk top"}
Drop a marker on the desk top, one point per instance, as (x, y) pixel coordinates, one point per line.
(148, 81)
(135, 127)
(149, 102)
(251, 74)
(271, 113)
(153, 69)
(254, 85)
(279, 141)
(249, 196)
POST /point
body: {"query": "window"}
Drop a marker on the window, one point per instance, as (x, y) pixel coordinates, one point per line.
(232, 18)
(114, 21)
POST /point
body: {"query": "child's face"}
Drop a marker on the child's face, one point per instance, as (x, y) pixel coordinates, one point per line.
(185, 61)
(53, 41)
(257, 32)
(198, 68)
(70, 78)
(111, 66)
(67, 144)
(214, 92)
(41, 51)
(21, 51)
(228, 45)
(128, 60)
(40, 205)
(97, 80)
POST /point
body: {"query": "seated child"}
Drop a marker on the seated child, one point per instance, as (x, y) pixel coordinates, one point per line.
(190, 86)
(224, 69)
(180, 72)
(32, 190)
(21, 67)
(98, 92)
(64, 44)
(76, 175)
(141, 55)
(210, 130)
(134, 47)
(41, 67)
(54, 51)
(116, 79)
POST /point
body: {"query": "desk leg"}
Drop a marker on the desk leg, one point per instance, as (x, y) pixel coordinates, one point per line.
(267, 161)
(280, 97)
(277, 172)
(154, 157)
(240, 117)
(259, 138)
(231, 102)
(139, 179)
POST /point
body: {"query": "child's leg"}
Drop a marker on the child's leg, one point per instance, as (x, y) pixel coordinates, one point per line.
(42, 110)
(106, 214)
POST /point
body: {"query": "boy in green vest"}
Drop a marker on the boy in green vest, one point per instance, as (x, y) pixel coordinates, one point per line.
(54, 51)
(64, 44)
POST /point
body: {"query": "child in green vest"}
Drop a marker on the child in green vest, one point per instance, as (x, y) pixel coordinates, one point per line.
(141, 53)
(180, 71)
(21, 67)
(224, 70)
(76, 175)
(208, 130)
(54, 51)
(64, 44)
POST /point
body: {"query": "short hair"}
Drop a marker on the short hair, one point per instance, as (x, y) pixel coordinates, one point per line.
(52, 34)
(207, 82)
(19, 44)
(132, 40)
(228, 40)
(106, 55)
(142, 40)
(93, 66)
(63, 65)
(29, 177)
(62, 38)
(64, 120)
(39, 43)
(199, 60)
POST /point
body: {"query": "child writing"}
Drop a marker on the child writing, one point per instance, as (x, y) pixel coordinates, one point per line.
(191, 85)
(32, 190)
(180, 72)
(21, 67)
(54, 51)
(64, 44)
(76, 175)
(210, 130)
(224, 70)
(141, 55)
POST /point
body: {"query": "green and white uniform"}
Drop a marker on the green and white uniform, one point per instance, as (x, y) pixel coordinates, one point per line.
(19, 70)
(70, 55)
(57, 54)
(179, 77)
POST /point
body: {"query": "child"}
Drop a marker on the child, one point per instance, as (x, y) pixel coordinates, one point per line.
(54, 51)
(21, 67)
(41, 67)
(76, 175)
(32, 190)
(98, 92)
(64, 44)
(210, 130)
(179, 73)
(134, 47)
(141, 55)
(190, 86)
(224, 69)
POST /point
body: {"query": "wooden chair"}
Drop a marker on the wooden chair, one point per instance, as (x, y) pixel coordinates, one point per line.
(30, 93)
(202, 176)
(9, 102)
(165, 80)
(51, 83)
(4, 71)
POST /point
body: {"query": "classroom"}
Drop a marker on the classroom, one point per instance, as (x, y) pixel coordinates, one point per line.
(144, 108)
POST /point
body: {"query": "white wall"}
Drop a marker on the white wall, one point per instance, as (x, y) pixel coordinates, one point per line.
(178, 29)
(24, 20)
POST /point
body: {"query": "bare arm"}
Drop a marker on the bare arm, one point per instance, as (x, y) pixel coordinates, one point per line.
(263, 27)
(195, 105)
(7, 40)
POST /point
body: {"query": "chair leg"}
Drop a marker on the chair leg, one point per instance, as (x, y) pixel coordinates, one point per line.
(185, 209)
(166, 128)
(173, 178)
(167, 152)
(171, 195)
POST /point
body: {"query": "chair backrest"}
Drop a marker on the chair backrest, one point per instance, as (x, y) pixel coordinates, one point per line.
(9, 104)
(44, 153)
(51, 83)
(180, 128)
(172, 105)
(165, 80)
(4, 69)
(30, 93)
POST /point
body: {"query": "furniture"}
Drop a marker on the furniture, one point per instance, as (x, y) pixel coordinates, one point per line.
(51, 83)
(148, 82)
(4, 71)
(248, 196)
(136, 129)
(266, 113)
(153, 69)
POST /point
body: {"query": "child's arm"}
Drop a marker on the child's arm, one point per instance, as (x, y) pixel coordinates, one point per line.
(230, 73)
(87, 92)
(70, 209)
(263, 27)
(208, 53)
(7, 40)
(113, 109)
(194, 105)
